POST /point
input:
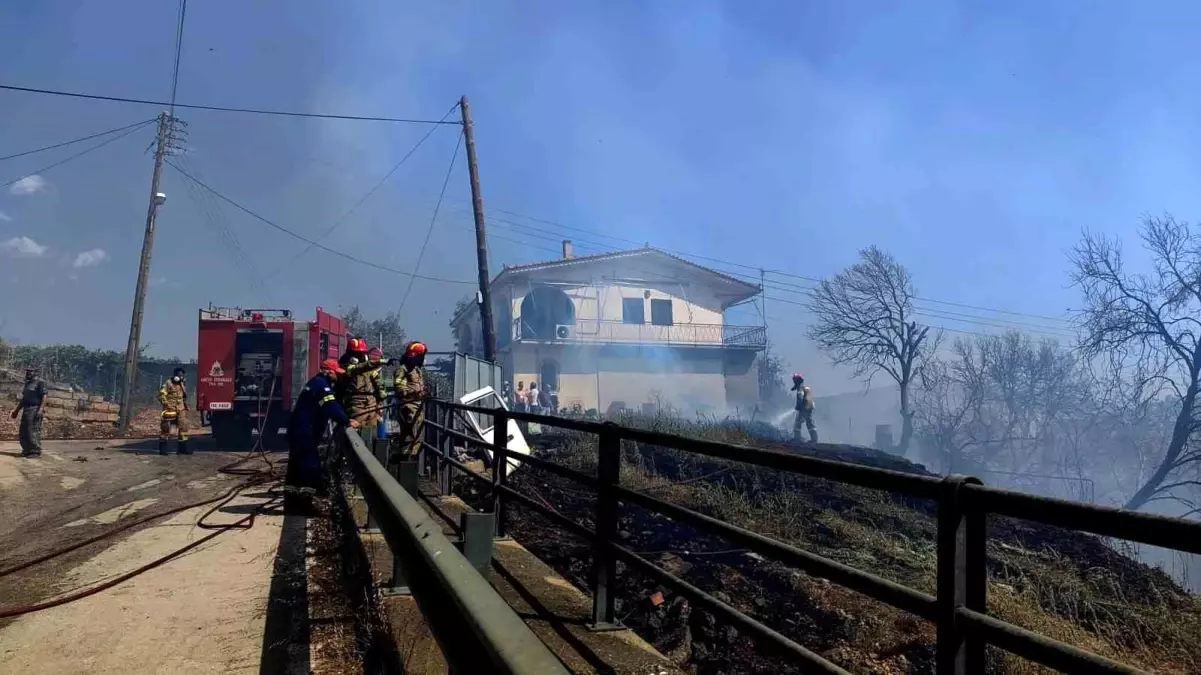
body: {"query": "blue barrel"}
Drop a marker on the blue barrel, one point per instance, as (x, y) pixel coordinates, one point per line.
(381, 429)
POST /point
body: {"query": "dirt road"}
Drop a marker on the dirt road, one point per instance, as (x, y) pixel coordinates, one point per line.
(204, 612)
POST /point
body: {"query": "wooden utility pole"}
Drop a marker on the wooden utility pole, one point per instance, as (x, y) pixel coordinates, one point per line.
(481, 236)
(139, 297)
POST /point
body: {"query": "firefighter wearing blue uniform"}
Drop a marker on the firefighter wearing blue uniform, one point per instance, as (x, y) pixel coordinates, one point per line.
(316, 405)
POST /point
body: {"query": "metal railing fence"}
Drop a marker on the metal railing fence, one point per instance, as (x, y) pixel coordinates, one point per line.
(477, 630)
(958, 608)
(618, 332)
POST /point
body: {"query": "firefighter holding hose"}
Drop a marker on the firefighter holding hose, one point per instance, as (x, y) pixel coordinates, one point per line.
(804, 409)
(409, 385)
(361, 389)
(173, 396)
(315, 406)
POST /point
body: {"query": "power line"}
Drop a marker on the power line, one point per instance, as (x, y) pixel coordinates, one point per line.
(183, 11)
(77, 155)
(342, 219)
(936, 314)
(756, 268)
(292, 234)
(217, 108)
(433, 219)
(804, 291)
(77, 140)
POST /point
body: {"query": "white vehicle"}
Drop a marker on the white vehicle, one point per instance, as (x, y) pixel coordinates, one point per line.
(482, 424)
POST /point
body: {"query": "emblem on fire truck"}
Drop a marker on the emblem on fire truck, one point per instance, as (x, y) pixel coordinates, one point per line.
(215, 370)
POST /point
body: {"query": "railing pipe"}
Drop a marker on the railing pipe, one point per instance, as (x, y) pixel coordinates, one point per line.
(476, 628)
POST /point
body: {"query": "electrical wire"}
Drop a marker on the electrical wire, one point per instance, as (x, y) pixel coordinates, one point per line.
(429, 230)
(215, 218)
(77, 155)
(342, 219)
(77, 140)
(757, 269)
(249, 111)
(183, 11)
(292, 234)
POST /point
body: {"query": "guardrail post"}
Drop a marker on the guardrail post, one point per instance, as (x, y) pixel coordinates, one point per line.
(604, 564)
(378, 446)
(962, 580)
(477, 529)
(445, 446)
(500, 467)
(406, 475)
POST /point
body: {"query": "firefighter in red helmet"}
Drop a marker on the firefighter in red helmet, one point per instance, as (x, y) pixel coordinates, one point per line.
(360, 391)
(804, 409)
(409, 385)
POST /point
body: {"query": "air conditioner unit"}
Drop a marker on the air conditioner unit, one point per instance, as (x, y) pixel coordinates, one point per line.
(562, 332)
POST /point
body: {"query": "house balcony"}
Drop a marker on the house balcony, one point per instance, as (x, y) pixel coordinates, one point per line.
(596, 331)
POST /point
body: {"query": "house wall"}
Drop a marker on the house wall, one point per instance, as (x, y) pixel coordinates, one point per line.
(596, 376)
(598, 288)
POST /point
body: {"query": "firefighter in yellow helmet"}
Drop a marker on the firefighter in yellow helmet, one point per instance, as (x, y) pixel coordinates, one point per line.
(804, 409)
(173, 396)
(360, 388)
(409, 385)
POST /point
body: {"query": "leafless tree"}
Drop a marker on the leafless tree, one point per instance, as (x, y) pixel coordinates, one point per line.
(1153, 320)
(1000, 402)
(865, 319)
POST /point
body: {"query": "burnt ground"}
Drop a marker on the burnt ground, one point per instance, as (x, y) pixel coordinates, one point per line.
(1070, 586)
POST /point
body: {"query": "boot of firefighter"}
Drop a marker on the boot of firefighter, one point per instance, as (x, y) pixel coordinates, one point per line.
(162, 446)
(183, 447)
(812, 435)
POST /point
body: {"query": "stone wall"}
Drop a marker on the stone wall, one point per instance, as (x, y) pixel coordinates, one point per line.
(61, 402)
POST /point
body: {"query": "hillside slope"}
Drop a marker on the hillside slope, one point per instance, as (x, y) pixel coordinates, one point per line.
(1067, 585)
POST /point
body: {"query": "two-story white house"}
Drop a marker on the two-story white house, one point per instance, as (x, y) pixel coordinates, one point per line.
(627, 329)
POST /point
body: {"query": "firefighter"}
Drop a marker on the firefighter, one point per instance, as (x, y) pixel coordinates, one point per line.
(315, 406)
(358, 387)
(804, 409)
(173, 396)
(376, 358)
(31, 407)
(409, 385)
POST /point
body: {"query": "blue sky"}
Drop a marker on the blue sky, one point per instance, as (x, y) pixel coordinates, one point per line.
(972, 140)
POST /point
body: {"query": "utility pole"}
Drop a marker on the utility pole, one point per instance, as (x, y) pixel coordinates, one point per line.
(763, 375)
(481, 236)
(139, 297)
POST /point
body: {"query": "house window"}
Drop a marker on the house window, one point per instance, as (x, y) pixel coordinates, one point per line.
(661, 312)
(633, 310)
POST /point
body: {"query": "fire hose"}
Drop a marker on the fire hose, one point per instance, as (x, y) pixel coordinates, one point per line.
(255, 477)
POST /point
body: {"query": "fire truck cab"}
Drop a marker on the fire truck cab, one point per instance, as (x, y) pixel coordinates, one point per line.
(251, 366)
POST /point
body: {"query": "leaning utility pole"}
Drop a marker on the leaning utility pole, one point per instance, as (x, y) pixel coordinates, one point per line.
(481, 237)
(139, 297)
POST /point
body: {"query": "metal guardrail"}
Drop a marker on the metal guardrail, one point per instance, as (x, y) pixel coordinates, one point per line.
(959, 607)
(476, 628)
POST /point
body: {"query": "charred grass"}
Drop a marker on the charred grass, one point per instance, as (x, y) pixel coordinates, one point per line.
(1066, 585)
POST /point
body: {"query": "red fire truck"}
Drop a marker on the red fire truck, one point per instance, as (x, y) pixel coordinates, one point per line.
(251, 366)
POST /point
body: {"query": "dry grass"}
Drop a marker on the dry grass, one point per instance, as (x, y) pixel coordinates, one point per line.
(1104, 603)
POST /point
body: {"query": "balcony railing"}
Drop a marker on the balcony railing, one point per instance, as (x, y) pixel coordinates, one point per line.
(618, 332)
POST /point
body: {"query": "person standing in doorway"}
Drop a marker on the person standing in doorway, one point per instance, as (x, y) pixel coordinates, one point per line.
(31, 408)
(535, 400)
(519, 398)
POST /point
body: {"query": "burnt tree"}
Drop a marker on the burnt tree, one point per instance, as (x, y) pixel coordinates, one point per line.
(1152, 320)
(865, 319)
